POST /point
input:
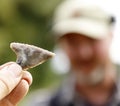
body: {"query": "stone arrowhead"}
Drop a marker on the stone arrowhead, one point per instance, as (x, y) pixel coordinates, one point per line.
(29, 56)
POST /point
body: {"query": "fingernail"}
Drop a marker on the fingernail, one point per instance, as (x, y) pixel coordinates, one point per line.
(27, 76)
(13, 68)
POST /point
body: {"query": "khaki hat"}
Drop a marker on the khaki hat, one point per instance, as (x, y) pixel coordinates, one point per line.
(86, 17)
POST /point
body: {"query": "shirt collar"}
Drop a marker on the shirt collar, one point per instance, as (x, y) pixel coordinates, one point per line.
(69, 95)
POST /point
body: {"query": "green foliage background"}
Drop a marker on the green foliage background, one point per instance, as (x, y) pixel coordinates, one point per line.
(28, 21)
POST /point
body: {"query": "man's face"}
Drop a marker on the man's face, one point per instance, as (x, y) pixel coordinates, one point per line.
(85, 53)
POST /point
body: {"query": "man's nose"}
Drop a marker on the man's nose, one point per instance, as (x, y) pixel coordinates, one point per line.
(85, 51)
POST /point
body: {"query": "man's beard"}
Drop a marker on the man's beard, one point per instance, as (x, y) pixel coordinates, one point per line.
(93, 78)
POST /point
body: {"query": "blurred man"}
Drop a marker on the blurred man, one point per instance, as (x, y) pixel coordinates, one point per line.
(84, 31)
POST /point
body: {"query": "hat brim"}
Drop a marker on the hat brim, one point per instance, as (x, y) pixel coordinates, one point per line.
(91, 28)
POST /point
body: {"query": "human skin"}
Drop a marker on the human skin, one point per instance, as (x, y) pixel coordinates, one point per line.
(14, 80)
(14, 84)
(85, 55)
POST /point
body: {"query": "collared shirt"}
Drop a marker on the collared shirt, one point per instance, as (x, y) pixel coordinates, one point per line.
(67, 96)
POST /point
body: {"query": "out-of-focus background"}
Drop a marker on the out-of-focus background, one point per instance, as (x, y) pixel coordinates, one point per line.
(29, 21)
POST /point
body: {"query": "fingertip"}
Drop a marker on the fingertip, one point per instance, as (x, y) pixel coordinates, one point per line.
(11, 63)
(6, 64)
(27, 76)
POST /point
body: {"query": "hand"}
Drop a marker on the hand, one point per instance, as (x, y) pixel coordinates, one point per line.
(14, 84)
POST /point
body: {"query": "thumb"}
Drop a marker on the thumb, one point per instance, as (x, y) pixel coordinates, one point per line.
(10, 76)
